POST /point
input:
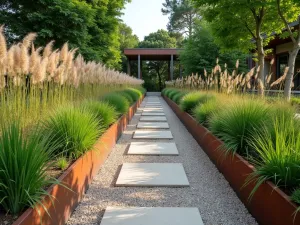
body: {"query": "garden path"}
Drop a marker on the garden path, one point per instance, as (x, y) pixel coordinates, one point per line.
(156, 173)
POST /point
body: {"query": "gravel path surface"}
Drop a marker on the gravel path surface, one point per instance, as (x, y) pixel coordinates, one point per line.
(208, 191)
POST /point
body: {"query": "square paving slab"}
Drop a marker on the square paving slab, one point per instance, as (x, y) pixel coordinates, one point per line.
(152, 125)
(153, 114)
(152, 148)
(153, 118)
(153, 134)
(152, 175)
(151, 216)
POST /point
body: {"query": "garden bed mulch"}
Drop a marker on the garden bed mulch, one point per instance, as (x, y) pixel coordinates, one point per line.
(77, 177)
(269, 205)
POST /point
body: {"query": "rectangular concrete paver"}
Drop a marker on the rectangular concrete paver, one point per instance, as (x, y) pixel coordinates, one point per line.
(152, 110)
(152, 175)
(152, 148)
(153, 114)
(152, 125)
(153, 118)
(152, 134)
(151, 216)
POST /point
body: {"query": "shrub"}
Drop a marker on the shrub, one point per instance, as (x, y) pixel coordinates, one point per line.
(23, 166)
(76, 129)
(134, 93)
(118, 101)
(191, 100)
(203, 112)
(177, 97)
(172, 93)
(105, 113)
(236, 124)
(127, 96)
(62, 163)
(278, 161)
(168, 90)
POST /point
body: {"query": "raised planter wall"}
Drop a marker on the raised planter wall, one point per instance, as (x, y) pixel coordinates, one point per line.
(77, 177)
(269, 205)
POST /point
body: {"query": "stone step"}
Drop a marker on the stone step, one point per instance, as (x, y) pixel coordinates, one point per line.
(153, 114)
(152, 125)
(152, 134)
(153, 118)
(152, 175)
(152, 148)
(151, 216)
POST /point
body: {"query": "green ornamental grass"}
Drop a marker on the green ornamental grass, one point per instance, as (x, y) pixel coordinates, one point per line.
(105, 113)
(62, 163)
(120, 103)
(236, 124)
(127, 96)
(172, 93)
(76, 129)
(191, 100)
(177, 97)
(203, 112)
(277, 161)
(23, 166)
(134, 93)
(296, 196)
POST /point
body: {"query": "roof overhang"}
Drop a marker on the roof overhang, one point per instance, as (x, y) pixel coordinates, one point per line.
(152, 53)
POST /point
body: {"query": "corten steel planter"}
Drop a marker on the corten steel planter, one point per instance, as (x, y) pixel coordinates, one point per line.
(269, 205)
(77, 177)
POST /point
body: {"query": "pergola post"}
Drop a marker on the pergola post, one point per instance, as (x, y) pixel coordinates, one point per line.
(180, 71)
(128, 67)
(172, 67)
(169, 71)
(139, 66)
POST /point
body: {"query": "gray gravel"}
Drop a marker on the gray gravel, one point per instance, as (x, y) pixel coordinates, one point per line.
(208, 191)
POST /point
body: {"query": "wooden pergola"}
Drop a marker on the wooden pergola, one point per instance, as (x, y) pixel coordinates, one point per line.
(152, 54)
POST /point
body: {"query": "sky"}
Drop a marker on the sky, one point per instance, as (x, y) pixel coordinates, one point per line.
(144, 17)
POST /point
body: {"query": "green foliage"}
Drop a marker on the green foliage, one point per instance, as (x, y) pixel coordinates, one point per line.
(191, 100)
(172, 93)
(127, 96)
(105, 113)
(177, 97)
(23, 166)
(278, 161)
(203, 112)
(200, 52)
(120, 103)
(93, 26)
(236, 124)
(134, 93)
(182, 16)
(295, 101)
(62, 163)
(76, 129)
(296, 196)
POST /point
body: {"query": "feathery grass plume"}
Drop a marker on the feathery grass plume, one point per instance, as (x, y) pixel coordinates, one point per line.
(24, 57)
(48, 49)
(3, 46)
(64, 52)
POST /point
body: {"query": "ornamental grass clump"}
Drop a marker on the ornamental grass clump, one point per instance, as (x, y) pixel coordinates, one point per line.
(135, 94)
(76, 130)
(191, 100)
(105, 113)
(127, 96)
(177, 97)
(277, 160)
(172, 93)
(236, 123)
(203, 112)
(23, 168)
(120, 103)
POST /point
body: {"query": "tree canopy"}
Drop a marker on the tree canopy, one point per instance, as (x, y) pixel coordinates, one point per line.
(90, 25)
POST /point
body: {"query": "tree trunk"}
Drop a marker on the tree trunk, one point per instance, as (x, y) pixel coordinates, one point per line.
(290, 75)
(261, 62)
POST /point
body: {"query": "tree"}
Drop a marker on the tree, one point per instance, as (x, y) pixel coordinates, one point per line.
(127, 40)
(90, 25)
(236, 22)
(182, 16)
(157, 69)
(200, 52)
(289, 11)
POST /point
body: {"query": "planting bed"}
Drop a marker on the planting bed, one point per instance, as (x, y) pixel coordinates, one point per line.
(269, 204)
(77, 177)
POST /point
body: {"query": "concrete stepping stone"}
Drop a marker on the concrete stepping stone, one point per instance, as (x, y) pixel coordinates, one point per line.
(153, 114)
(152, 134)
(153, 118)
(151, 216)
(152, 175)
(153, 110)
(152, 148)
(152, 125)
